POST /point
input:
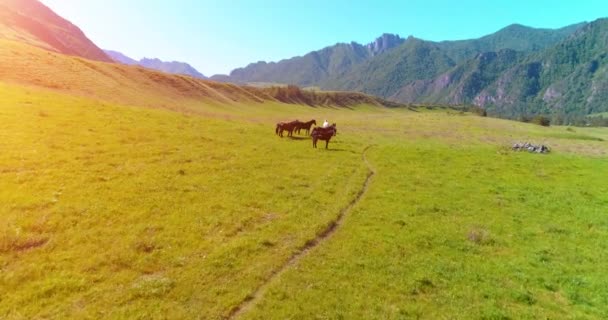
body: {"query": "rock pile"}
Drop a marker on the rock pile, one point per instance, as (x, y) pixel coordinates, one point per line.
(540, 148)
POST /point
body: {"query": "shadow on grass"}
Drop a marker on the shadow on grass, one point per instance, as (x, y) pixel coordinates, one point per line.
(337, 150)
(299, 138)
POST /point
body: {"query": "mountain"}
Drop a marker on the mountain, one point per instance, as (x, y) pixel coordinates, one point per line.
(156, 64)
(121, 58)
(414, 70)
(384, 74)
(415, 60)
(348, 66)
(32, 22)
(171, 67)
(314, 67)
(515, 37)
(568, 78)
(460, 84)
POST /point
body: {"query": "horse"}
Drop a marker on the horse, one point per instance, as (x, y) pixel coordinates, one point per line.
(306, 126)
(286, 126)
(324, 134)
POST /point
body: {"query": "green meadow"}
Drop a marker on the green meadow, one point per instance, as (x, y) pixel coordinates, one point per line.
(125, 212)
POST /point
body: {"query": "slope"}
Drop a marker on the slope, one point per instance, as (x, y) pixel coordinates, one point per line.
(515, 37)
(461, 84)
(24, 64)
(568, 78)
(314, 67)
(32, 22)
(416, 61)
(124, 212)
(382, 67)
(381, 76)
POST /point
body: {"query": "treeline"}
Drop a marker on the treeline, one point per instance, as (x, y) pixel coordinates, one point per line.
(547, 120)
(295, 95)
(566, 120)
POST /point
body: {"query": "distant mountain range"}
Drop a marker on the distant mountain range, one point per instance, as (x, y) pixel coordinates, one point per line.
(156, 64)
(31, 22)
(568, 77)
(517, 70)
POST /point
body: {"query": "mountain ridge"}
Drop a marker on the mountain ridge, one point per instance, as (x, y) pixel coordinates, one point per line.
(32, 22)
(175, 67)
(570, 77)
(414, 70)
(314, 66)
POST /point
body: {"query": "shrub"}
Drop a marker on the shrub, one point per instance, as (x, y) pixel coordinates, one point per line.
(478, 111)
(523, 118)
(541, 120)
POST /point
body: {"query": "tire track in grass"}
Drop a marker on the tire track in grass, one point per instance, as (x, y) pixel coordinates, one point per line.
(257, 294)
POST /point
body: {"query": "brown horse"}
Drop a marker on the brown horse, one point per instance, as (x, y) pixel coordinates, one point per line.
(306, 126)
(286, 126)
(324, 134)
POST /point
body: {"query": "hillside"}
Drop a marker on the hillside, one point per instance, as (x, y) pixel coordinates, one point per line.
(175, 67)
(569, 78)
(24, 64)
(462, 83)
(417, 60)
(341, 66)
(31, 22)
(314, 67)
(515, 37)
(381, 76)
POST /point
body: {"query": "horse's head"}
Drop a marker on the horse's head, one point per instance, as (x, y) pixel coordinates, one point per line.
(314, 122)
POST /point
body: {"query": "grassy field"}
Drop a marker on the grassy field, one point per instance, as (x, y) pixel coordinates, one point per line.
(119, 211)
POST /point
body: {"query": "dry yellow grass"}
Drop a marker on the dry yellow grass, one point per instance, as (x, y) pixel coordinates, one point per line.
(133, 85)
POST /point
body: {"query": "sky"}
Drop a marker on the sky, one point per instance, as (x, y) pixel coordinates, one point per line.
(217, 36)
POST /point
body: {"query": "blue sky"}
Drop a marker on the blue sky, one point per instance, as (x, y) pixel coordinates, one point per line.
(217, 36)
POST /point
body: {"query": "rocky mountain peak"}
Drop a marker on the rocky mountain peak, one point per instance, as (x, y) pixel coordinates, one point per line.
(383, 43)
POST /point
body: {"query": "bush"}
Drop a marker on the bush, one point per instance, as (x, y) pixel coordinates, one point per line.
(523, 118)
(478, 111)
(541, 120)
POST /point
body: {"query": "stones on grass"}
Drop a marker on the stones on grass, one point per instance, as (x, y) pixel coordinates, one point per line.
(532, 148)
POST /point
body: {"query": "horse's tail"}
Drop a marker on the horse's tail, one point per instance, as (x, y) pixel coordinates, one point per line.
(276, 131)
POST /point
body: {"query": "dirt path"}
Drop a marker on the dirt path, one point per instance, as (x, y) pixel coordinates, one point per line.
(331, 228)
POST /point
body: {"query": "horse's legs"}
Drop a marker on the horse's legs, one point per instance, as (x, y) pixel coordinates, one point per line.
(326, 143)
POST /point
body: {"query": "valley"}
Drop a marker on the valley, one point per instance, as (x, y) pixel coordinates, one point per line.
(131, 193)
